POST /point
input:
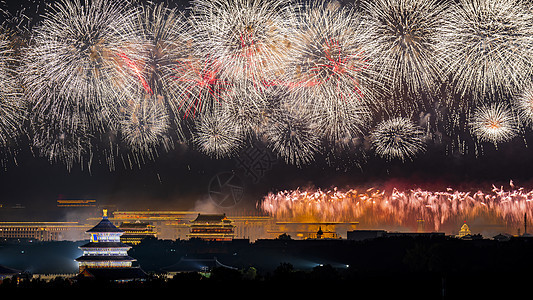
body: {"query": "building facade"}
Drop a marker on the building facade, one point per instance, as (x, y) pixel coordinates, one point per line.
(212, 227)
(42, 231)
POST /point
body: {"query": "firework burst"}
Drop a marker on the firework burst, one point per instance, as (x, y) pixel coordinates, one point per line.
(330, 71)
(523, 102)
(200, 86)
(397, 138)
(251, 39)
(11, 104)
(68, 141)
(76, 59)
(292, 135)
(145, 124)
(167, 48)
(405, 35)
(493, 123)
(488, 47)
(216, 134)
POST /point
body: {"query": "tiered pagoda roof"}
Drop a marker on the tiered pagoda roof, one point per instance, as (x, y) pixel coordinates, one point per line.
(105, 255)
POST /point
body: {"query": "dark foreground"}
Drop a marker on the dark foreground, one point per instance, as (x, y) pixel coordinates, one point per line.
(438, 267)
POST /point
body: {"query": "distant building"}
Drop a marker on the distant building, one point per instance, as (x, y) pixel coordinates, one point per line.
(135, 232)
(105, 256)
(212, 227)
(76, 203)
(464, 231)
(42, 231)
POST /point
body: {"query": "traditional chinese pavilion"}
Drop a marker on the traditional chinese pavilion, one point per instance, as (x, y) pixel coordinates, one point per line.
(105, 256)
(212, 227)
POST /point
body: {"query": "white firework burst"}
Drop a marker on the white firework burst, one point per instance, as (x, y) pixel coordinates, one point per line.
(488, 46)
(68, 141)
(330, 74)
(523, 102)
(293, 135)
(216, 134)
(397, 138)
(12, 108)
(167, 47)
(79, 56)
(493, 123)
(145, 125)
(405, 35)
(251, 39)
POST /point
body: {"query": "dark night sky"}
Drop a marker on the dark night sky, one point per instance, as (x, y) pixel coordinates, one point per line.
(180, 179)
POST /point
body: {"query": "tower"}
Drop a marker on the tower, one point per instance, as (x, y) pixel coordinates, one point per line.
(105, 255)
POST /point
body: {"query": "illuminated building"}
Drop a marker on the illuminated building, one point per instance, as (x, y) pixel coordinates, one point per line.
(171, 225)
(174, 225)
(465, 231)
(105, 255)
(212, 227)
(76, 203)
(42, 231)
(135, 232)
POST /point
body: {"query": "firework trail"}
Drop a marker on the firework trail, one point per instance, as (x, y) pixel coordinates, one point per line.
(405, 35)
(494, 123)
(488, 47)
(399, 207)
(397, 138)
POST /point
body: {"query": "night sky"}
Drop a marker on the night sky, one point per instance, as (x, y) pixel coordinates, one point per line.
(180, 179)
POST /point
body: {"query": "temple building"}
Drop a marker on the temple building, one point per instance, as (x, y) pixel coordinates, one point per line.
(464, 231)
(136, 232)
(212, 227)
(105, 256)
